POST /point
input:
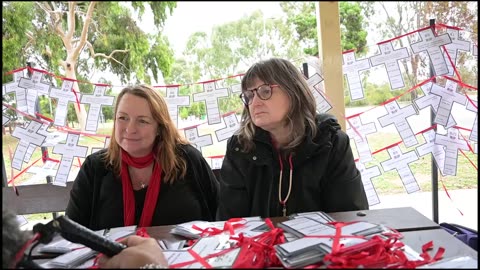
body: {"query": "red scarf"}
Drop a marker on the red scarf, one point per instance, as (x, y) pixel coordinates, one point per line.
(152, 191)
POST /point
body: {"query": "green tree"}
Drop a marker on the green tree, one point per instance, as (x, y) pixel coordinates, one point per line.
(230, 50)
(183, 72)
(234, 46)
(302, 15)
(74, 38)
(16, 31)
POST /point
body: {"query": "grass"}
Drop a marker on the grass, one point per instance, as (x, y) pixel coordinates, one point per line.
(390, 183)
(387, 183)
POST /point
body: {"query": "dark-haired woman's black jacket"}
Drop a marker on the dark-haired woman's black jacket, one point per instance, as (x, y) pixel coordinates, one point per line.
(325, 177)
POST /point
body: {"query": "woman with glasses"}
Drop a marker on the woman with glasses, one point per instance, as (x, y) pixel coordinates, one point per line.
(285, 158)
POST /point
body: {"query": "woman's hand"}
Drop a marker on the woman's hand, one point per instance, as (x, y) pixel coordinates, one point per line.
(140, 251)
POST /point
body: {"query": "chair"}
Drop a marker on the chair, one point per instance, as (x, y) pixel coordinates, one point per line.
(467, 235)
(32, 199)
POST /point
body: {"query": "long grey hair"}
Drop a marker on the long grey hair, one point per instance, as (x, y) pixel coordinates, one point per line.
(302, 111)
(13, 238)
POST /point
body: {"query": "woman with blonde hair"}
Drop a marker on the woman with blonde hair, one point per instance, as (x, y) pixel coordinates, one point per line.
(148, 176)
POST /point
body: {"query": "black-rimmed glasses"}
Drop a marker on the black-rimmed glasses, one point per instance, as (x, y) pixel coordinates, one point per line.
(264, 92)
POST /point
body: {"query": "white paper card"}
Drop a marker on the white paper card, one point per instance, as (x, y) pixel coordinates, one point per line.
(211, 95)
(389, 57)
(351, 69)
(398, 117)
(400, 162)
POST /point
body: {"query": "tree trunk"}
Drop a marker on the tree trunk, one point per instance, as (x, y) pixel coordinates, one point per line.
(415, 59)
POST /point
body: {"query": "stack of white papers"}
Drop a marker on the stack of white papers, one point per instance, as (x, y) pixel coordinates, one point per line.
(315, 240)
(60, 245)
(118, 233)
(210, 245)
(76, 255)
(190, 231)
(250, 226)
(71, 259)
(302, 226)
(203, 247)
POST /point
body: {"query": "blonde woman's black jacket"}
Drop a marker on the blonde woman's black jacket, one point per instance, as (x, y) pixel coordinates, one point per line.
(325, 177)
(96, 198)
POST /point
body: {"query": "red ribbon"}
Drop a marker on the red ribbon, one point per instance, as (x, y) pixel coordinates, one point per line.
(378, 253)
(229, 226)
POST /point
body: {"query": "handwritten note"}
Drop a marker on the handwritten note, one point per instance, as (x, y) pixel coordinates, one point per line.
(437, 150)
(352, 68)
(400, 162)
(315, 85)
(367, 175)
(432, 45)
(359, 132)
(452, 143)
(448, 95)
(231, 123)
(473, 106)
(26, 136)
(35, 87)
(64, 95)
(314, 80)
(20, 92)
(433, 101)
(52, 139)
(211, 95)
(390, 57)
(197, 141)
(69, 150)
(174, 101)
(398, 117)
(31, 148)
(453, 48)
(96, 101)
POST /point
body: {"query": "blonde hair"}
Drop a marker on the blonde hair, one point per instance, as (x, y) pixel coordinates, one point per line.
(166, 144)
(302, 111)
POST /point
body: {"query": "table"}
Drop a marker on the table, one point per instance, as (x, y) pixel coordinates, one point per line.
(402, 219)
(415, 227)
(417, 230)
(441, 238)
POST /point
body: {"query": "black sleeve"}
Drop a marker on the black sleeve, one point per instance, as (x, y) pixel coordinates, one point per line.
(234, 199)
(345, 191)
(79, 206)
(206, 180)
